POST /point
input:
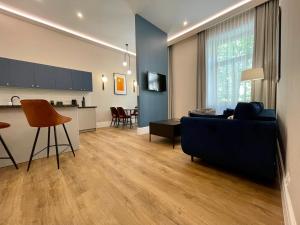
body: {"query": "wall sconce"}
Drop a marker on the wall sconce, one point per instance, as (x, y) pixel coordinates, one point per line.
(134, 85)
(104, 80)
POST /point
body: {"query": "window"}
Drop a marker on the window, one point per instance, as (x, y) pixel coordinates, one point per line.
(229, 51)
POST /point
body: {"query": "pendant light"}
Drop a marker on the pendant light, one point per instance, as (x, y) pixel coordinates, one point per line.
(125, 56)
(129, 72)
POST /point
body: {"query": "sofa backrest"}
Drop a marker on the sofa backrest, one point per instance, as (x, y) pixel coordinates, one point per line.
(246, 111)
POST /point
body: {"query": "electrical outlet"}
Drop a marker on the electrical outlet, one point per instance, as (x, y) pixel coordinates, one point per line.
(287, 179)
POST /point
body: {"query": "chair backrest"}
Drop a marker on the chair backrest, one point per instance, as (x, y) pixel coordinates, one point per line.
(39, 112)
(121, 111)
(114, 112)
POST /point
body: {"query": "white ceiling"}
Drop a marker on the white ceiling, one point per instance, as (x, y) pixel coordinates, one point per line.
(169, 15)
(112, 21)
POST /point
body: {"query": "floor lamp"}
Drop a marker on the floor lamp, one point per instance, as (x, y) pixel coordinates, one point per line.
(253, 75)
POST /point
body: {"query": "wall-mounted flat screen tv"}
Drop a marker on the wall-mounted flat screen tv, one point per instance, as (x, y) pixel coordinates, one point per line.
(156, 82)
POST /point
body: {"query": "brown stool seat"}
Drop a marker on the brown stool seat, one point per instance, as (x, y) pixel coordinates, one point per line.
(62, 119)
(40, 114)
(58, 120)
(4, 125)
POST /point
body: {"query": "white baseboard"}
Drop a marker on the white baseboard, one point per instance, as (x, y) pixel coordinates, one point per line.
(103, 124)
(142, 130)
(288, 211)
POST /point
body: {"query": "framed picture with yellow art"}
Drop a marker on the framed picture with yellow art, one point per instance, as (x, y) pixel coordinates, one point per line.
(120, 84)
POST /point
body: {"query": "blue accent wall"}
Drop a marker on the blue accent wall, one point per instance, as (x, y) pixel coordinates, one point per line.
(152, 55)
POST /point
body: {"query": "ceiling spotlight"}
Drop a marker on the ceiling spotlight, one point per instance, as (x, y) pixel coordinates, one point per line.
(124, 63)
(185, 23)
(79, 15)
(129, 72)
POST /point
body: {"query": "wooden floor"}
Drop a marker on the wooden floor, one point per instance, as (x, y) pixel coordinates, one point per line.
(118, 177)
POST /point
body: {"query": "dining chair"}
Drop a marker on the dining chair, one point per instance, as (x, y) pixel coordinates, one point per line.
(114, 116)
(135, 114)
(123, 117)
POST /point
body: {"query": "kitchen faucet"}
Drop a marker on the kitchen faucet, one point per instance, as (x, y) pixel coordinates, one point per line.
(12, 99)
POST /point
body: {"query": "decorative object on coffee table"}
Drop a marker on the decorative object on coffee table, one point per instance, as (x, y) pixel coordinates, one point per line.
(208, 111)
(165, 128)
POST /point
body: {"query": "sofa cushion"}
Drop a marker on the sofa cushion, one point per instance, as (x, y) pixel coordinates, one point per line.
(246, 111)
(259, 106)
(228, 112)
(267, 115)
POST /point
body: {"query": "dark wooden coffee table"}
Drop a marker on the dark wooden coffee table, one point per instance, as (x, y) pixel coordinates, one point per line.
(165, 128)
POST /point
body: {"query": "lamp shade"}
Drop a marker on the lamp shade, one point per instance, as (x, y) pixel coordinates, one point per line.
(253, 74)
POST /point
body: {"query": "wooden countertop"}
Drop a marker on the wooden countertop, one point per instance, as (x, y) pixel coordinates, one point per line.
(19, 106)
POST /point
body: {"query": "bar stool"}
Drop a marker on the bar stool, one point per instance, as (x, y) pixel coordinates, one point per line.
(2, 126)
(40, 114)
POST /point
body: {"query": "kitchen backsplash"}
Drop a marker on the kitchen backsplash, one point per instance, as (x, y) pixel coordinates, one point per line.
(55, 95)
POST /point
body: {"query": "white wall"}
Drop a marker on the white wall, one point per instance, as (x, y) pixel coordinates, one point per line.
(184, 68)
(288, 102)
(24, 41)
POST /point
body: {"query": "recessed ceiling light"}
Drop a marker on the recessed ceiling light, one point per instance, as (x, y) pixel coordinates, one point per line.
(79, 15)
(185, 23)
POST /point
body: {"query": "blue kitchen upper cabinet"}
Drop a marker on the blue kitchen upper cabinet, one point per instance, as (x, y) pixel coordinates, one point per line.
(77, 79)
(22, 74)
(82, 81)
(63, 79)
(87, 81)
(45, 76)
(31, 75)
(4, 72)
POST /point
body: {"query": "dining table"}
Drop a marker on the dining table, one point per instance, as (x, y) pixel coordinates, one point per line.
(129, 111)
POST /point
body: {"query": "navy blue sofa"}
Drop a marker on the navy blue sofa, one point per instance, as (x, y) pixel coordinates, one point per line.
(246, 143)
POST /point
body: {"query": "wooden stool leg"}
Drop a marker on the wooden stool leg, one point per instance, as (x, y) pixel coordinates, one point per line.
(48, 143)
(56, 147)
(8, 152)
(69, 139)
(33, 148)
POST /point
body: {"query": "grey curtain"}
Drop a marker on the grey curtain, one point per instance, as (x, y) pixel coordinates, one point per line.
(201, 72)
(170, 85)
(265, 53)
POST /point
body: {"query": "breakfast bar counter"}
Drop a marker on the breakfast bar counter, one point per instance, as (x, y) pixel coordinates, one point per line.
(19, 137)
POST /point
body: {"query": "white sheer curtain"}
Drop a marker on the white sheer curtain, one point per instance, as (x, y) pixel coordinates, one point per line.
(229, 51)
